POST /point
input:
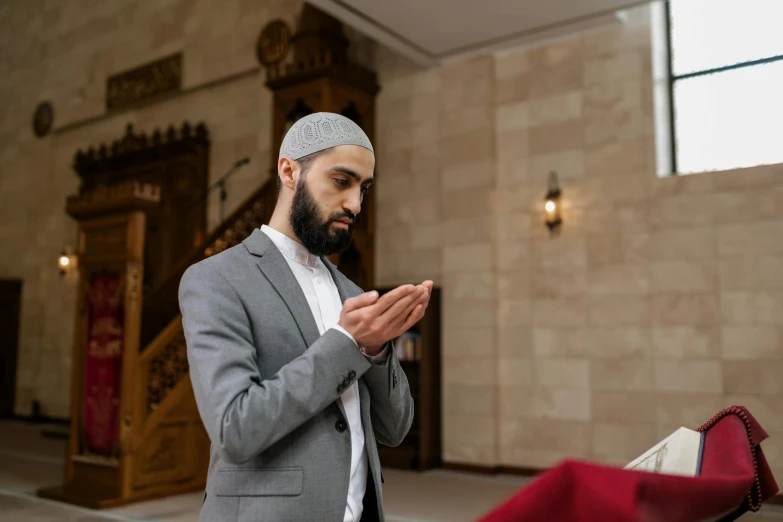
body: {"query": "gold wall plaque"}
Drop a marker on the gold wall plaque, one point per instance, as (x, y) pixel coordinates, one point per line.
(144, 82)
(273, 43)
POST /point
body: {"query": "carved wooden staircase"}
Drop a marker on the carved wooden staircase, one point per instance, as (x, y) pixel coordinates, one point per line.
(167, 435)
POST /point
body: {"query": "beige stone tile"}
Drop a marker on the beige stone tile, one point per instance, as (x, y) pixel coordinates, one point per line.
(464, 399)
(633, 216)
(476, 175)
(512, 146)
(393, 188)
(395, 112)
(426, 210)
(623, 279)
(753, 377)
(561, 78)
(512, 117)
(617, 127)
(550, 253)
(472, 341)
(509, 64)
(753, 177)
(516, 205)
(427, 264)
(684, 210)
(514, 313)
(425, 133)
(556, 53)
(686, 184)
(423, 159)
(425, 107)
(619, 310)
(622, 375)
(467, 148)
(425, 83)
(561, 373)
(749, 273)
(612, 98)
(685, 309)
(766, 409)
(427, 183)
(559, 312)
(624, 406)
(457, 71)
(689, 376)
(512, 89)
(514, 284)
(516, 371)
(750, 239)
(556, 137)
(756, 343)
(559, 342)
(466, 370)
(683, 276)
(476, 118)
(608, 188)
(746, 308)
(686, 409)
(463, 313)
(617, 342)
(686, 342)
(515, 456)
(512, 256)
(631, 157)
(469, 285)
(546, 436)
(466, 230)
(748, 205)
(466, 436)
(467, 258)
(623, 440)
(555, 109)
(515, 343)
(569, 165)
(683, 244)
(425, 236)
(458, 94)
(613, 68)
(469, 452)
(397, 238)
(544, 403)
(511, 174)
(616, 248)
(466, 203)
(552, 283)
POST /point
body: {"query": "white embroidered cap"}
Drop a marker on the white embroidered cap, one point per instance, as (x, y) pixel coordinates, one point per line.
(321, 131)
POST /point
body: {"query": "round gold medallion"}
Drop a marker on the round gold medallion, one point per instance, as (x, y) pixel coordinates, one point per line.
(273, 43)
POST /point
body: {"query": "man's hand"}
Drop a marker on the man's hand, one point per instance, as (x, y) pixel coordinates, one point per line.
(373, 321)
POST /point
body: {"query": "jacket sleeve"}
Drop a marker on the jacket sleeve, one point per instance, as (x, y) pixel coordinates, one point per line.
(242, 413)
(391, 406)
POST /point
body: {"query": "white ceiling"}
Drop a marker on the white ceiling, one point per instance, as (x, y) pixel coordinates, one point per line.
(431, 31)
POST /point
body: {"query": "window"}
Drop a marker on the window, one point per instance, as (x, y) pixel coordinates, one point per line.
(726, 83)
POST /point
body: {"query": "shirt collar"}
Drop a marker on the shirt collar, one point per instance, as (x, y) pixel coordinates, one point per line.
(291, 249)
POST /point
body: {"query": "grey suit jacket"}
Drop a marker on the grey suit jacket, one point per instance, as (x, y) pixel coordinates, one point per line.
(267, 387)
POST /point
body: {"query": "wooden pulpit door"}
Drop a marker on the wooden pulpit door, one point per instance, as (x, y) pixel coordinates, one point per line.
(10, 302)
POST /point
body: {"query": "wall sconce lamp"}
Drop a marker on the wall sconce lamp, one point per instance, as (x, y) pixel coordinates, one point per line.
(553, 205)
(67, 261)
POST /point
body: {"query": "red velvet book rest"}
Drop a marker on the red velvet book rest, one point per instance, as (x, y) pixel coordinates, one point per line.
(735, 477)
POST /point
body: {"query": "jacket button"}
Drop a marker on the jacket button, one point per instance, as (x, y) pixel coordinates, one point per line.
(351, 374)
(340, 426)
(341, 388)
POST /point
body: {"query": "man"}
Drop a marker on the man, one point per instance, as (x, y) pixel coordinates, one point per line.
(291, 364)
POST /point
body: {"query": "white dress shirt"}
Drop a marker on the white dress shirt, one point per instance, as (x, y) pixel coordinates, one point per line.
(325, 303)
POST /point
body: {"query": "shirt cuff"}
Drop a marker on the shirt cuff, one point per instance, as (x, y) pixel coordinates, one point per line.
(345, 332)
(381, 357)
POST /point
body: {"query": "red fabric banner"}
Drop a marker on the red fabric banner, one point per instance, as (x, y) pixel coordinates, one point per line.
(735, 475)
(103, 364)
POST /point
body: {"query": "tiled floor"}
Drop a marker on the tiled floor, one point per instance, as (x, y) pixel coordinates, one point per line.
(29, 461)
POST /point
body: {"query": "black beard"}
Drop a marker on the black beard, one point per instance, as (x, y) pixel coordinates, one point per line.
(315, 235)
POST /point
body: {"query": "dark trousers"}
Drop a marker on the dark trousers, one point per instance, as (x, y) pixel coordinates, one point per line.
(370, 502)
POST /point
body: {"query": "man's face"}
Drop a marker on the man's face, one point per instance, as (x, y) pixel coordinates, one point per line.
(328, 197)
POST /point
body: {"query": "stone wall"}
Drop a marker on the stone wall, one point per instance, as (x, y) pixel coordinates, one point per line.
(660, 302)
(63, 52)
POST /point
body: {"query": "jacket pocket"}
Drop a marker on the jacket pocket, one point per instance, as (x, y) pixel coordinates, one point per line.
(258, 482)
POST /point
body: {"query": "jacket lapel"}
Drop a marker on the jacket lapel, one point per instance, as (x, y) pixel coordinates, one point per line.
(276, 269)
(339, 279)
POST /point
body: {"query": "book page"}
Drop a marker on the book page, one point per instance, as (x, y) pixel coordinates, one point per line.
(677, 454)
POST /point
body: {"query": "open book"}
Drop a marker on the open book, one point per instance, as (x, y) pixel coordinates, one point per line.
(678, 454)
